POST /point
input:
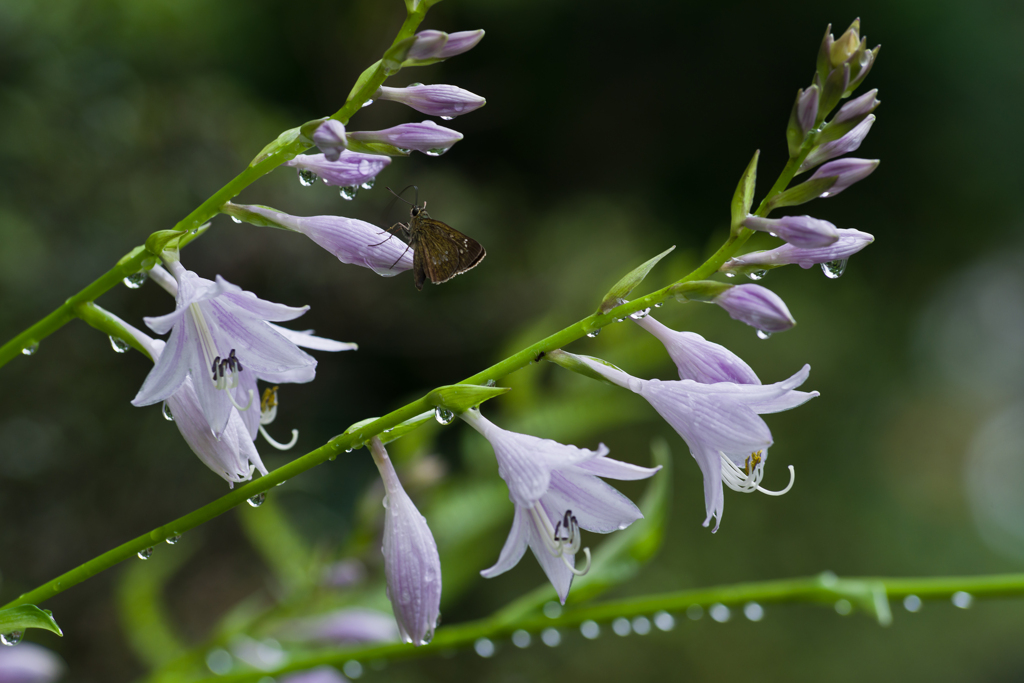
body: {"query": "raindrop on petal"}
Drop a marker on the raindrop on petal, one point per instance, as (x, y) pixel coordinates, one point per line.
(348, 192)
(167, 413)
(552, 610)
(761, 334)
(146, 554)
(368, 184)
(730, 274)
(119, 345)
(258, 499)
(447, 118)
(135, 280)
(437, 151)
(367, 103)
(834, 269)
(756, 275)
(236, 220)
(306, 177)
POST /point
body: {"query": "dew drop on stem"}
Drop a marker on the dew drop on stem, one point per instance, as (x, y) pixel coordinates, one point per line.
(756, 275)
(30, 349)
(135, 280)
(443, 415)
(236, 220)
(119, 345)
(146, 554)
(258, 499)
(594, 333)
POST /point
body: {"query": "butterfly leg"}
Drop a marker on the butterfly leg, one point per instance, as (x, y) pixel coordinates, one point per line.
(388, 231)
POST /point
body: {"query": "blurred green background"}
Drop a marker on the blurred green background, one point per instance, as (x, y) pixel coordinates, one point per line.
(611, 132)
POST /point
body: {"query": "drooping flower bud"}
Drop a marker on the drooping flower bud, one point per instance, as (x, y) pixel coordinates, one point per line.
(698, 359)
(411, 563)
(351, 169)
(800, 231)
(846, 45)
(428, 45)
(846, 171)
(848, 244)
(459, 42)
(30, 663)
(446, 101)
(857, 109)
(426, 137)
(330, 138)
(844, 145)
(802, 119)
(756, 306)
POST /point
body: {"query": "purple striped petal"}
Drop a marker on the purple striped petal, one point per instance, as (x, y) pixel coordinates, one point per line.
(515, 545)
(699, 359)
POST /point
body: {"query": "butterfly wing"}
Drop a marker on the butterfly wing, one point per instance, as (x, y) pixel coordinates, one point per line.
(443, 251)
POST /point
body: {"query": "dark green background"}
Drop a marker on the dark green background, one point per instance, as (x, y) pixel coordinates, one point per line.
(612, 131)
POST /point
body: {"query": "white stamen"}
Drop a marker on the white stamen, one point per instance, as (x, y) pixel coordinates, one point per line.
(560, 547)
(231, 397)
(747, 482)
(205, 337)
(277, 445)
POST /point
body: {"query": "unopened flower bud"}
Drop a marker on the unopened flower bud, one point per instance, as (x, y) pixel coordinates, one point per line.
(844, 145)
(800, 231)
(805, 112)
(446, 101)
(857, 109)
(756, 306)
(350, 168)
(428, 45)
(426, 137)
(459, 42)
(330, 138)
(846, 45)
(846, 171)
(848, 244)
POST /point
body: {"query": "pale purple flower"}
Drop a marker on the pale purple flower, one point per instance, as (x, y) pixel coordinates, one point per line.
(698, 359)
(720, 424)
(459, 42)
(330, 138)
(426, 137)
(427, 44)
(844, 145)
(412, 566)
(220, 338)
(800, 231)
(807, 109)
(352, 241)
(857, 107)
(756, 306)
(320, 674)
(556, 492)
(348, 625)
(849, 243)
(446, 101)
(846, 171)
(29, 663)
(350, 170)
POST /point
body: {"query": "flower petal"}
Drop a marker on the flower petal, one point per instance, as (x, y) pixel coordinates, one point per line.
(597, 506)
(307, 340)
(515, 545)
(257, 307)
(554, 567)
(614, 469)
(169, 370)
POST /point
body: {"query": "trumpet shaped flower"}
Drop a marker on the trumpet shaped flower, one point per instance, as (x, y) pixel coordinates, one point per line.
(347, 169)
(698, 359)
(849, 243)
(219, 337)
(720, 423)
(556, 492)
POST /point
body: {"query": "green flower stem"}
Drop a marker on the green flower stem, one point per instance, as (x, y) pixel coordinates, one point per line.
(133, 261)
(826, 589)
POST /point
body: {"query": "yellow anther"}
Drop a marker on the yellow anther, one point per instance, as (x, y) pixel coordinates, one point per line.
(753, 461)
(269, 399)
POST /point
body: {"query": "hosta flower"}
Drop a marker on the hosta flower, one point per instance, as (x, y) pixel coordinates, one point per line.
(351, 169)
(441, 45)
(698, 359)
(556, 492)
(219, 337)
(844, 145)
(721, 425)
(411, 563)
(857, 107)
(330, 138)
(846, 171)
(350, 240)
(800, 231)
(849, 243)
(30, 663)
(446, 101)
(426, 137)
(756, 306)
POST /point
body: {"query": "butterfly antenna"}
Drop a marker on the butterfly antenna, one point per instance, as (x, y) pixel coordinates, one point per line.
(398, 195)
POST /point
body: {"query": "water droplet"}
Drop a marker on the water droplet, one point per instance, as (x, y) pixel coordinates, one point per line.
(694, 612)
(834, 269)
(368, 184)
(219, 661)
(167, 413)
(427, 637)
(756, 275)
(414, 85)
(753, 611)
(761, 334)
(484, 647)
(962, 599)
(828, 578)
(10, 639)
(258, 499)
(825, 194)
(843, 607)
(236, 220)
(912, 603)
(403, 150)
(590, 629)
(640, 315)
(348, 192)
(352, 669)
(367, 103)
(641, 626)
(664, 621)
(521, 639)
(552, 610)
(730, 274)
(551, 637)
(447, 118)
(659, 304)
(594, 333)
(621, 626)
(443, 415)
(146, 554)
(172, 540)
(31, 349)
(719, 612)
(119, 345)
(437, 622)
(437, 151)
(348, 450)
(135, 280)
(491, 382)
(307, 177)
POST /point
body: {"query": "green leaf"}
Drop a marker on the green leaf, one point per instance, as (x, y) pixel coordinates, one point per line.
(623, 287)
(161, 240)
(461, 397)
(802, 193)
(744, 195)
(571, 361)
(25, 617)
